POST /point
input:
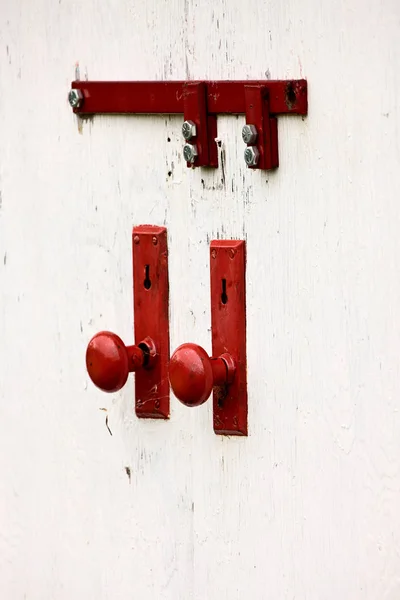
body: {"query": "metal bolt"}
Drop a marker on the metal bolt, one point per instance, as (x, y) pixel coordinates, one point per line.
(188, 130)
(75, 98)
(232, 253)
(189, 153)
(213, 254)
(251, 156)
(155, 240)
(249, 134)
(136, 239)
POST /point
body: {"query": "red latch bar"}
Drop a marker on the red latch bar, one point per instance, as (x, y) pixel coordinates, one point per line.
(200, 102)
(166, 97)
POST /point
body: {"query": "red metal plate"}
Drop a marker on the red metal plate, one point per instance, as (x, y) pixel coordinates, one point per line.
(257, 113)
(150, 287)
(166, 97)
(195, 109)
(228, 322)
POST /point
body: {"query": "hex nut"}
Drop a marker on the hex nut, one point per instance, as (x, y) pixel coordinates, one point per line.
(249, 134)
(188, 130)
(75, 98)
(189, 153)
(251, 156)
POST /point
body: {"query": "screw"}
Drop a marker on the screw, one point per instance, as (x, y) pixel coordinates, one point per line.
(155, 240)
(189, 153)
(136, 239)
(75, 98)
(213, 254)
(188, 130)
(232, 253)
(249, 134)
(251, 156)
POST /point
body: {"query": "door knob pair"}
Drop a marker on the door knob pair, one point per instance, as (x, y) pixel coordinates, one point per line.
(192, 373)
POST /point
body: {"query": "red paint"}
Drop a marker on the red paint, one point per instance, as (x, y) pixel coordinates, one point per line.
(258, 114)
(193, 374)
(228, 325)
(150, 278)
(199, 101)
(109, 361)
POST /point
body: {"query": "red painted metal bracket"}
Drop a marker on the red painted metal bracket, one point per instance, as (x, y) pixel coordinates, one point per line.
(228, 325)
(201, 102)
(258, 114)
(195, 111)
(150, 287)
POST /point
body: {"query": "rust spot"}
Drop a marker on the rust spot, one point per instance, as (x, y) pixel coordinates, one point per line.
(290, 96)
(220, 394)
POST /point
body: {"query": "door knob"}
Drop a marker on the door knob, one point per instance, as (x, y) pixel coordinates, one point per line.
(193, 374)
(109, 361)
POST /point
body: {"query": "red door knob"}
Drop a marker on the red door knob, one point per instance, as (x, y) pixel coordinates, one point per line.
(193, 374)
(109, 361)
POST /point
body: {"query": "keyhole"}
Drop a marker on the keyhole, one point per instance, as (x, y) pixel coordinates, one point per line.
(147, 280)
(224, 296)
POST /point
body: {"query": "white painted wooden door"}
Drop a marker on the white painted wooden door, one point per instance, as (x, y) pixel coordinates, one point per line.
(305, 508)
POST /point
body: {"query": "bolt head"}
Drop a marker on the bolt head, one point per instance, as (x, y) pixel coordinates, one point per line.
(75, 98)
(155, 240)
(136, 239)
(189, 153)
(251, 156)
(249, 134)
(188, 130)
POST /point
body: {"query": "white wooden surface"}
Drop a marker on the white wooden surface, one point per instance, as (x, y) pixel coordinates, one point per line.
(307, 507)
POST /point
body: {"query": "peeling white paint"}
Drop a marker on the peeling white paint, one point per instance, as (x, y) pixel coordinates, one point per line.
(307, 506)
